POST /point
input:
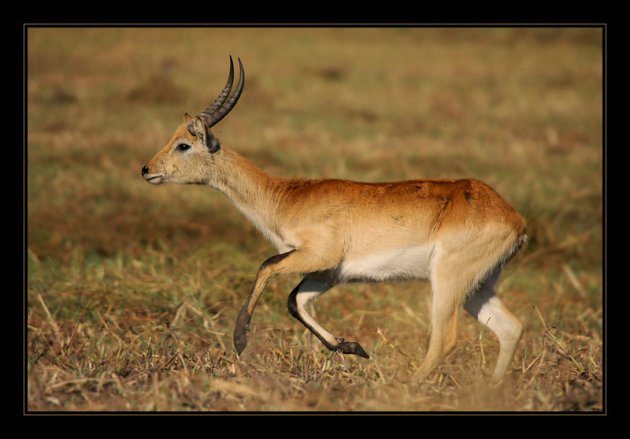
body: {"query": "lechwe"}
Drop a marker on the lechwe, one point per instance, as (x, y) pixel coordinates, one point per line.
(456, 233)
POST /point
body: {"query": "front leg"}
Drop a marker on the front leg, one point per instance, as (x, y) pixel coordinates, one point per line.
(312, 286)
(268, 268)
(294, 261)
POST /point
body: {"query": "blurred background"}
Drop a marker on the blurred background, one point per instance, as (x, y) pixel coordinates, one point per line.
(133, 289)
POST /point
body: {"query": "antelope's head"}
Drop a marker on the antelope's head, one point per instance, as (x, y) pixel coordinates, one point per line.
(192, 151)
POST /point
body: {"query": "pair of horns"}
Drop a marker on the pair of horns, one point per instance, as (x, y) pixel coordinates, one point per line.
(222, 105)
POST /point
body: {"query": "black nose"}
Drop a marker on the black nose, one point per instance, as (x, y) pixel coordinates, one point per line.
(145, 170)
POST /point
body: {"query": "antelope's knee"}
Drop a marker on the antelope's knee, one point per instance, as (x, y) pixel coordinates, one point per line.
(513, 329)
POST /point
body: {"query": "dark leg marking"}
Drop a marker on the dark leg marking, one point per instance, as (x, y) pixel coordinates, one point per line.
(275, 259)
(293, 310)
(345, 347)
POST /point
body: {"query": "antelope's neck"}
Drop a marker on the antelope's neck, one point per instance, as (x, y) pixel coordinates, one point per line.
(252, 191)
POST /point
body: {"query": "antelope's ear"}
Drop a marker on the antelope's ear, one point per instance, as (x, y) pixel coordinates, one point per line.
(187, 117)
(199, 129)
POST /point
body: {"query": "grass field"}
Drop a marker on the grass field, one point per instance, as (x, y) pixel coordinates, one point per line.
(133, 289)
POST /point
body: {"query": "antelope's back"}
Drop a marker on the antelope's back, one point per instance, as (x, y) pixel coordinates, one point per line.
(420, 206)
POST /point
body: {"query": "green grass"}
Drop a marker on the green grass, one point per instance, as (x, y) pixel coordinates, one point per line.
(133, 290)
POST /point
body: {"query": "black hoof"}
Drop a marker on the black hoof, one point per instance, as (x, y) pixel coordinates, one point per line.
(240, 341)
(352, 347)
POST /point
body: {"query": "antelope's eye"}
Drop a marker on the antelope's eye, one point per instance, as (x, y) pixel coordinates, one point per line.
(183, 147)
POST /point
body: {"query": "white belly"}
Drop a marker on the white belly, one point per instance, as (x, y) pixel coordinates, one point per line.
(398, 264)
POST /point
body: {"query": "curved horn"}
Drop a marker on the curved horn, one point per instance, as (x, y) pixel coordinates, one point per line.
(223, 111)
(208, 113)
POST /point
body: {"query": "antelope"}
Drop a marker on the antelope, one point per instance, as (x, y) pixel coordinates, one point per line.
(458, 234)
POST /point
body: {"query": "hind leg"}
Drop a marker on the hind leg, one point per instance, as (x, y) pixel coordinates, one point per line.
(453, 274)
(486, 307)
(448, 291)
(443, 330)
